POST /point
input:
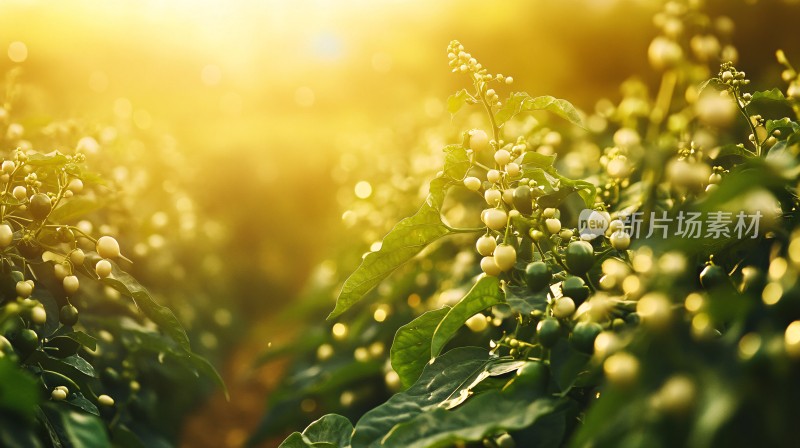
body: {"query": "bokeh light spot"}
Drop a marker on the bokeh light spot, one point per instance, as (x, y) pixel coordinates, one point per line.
(363, 189)
(17, 51)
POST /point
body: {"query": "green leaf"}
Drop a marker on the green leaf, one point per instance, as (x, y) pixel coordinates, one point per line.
(49, 159)
(523, 301)
(19, 391)
(736, 152)
(438, 381)
(456, 164)
(457, 100)
(533, 160)
(161, 315)
(412, 345)
(80, 365)
(769, 96)
(403, 242)
(331, 428)
(74, 208)
(484, 294)
(522, 102)
(63, 346)
(79, 401)
(408, 238)
(84, 339)
(72, 428)
(487, 414)
(568, 366)
(783, 123)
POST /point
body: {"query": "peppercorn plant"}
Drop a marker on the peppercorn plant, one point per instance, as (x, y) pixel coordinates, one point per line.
(64, 378)
(610, 336)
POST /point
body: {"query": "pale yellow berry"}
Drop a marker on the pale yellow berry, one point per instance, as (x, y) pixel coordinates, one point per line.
(485, 245)
(505, 256)
(472, 183)
(489, 266)
(24, 289)
(71, 284)
(108, 247)
(103, 268)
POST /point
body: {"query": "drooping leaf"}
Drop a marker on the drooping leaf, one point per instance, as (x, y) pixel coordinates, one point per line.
(74, 429)
(443, 376)
(79, 401)
(403, 242)
(522, 102)
(487, 414)
(161, 315)
(74, 208)
(407, 238)
(484, 294)
(412, 345)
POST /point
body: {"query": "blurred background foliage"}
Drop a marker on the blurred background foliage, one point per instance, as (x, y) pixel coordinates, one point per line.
(264, 145)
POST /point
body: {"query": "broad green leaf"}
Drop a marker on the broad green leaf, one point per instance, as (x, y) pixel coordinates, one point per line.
(493, 367)
(457, 100)
(484, 415)
(80, 365)
(74, 429)
(456, 164)
(484, 294)
(783, 123)
(412, 345)
(440, 378)
(84, 339)
(543, 179)
(533, 159)
(19, 391)
(161, 315)
(296, 440)
(49, 159)
(568, 366)
(137, 338)
(522, 102)
(736, 152)
(74, 208)
(79, 401)
(62, 346)
(523, 301)
(586, 190)
(408, 238)
(331, 428)
(768, 96)
(403, 242)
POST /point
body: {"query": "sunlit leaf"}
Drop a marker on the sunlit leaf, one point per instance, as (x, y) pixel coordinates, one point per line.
(407, 238)
(74, 208)
(521, 102)
(487, 414)
(484, 294)
(443, 376)
(458, 100)
(412, 345)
